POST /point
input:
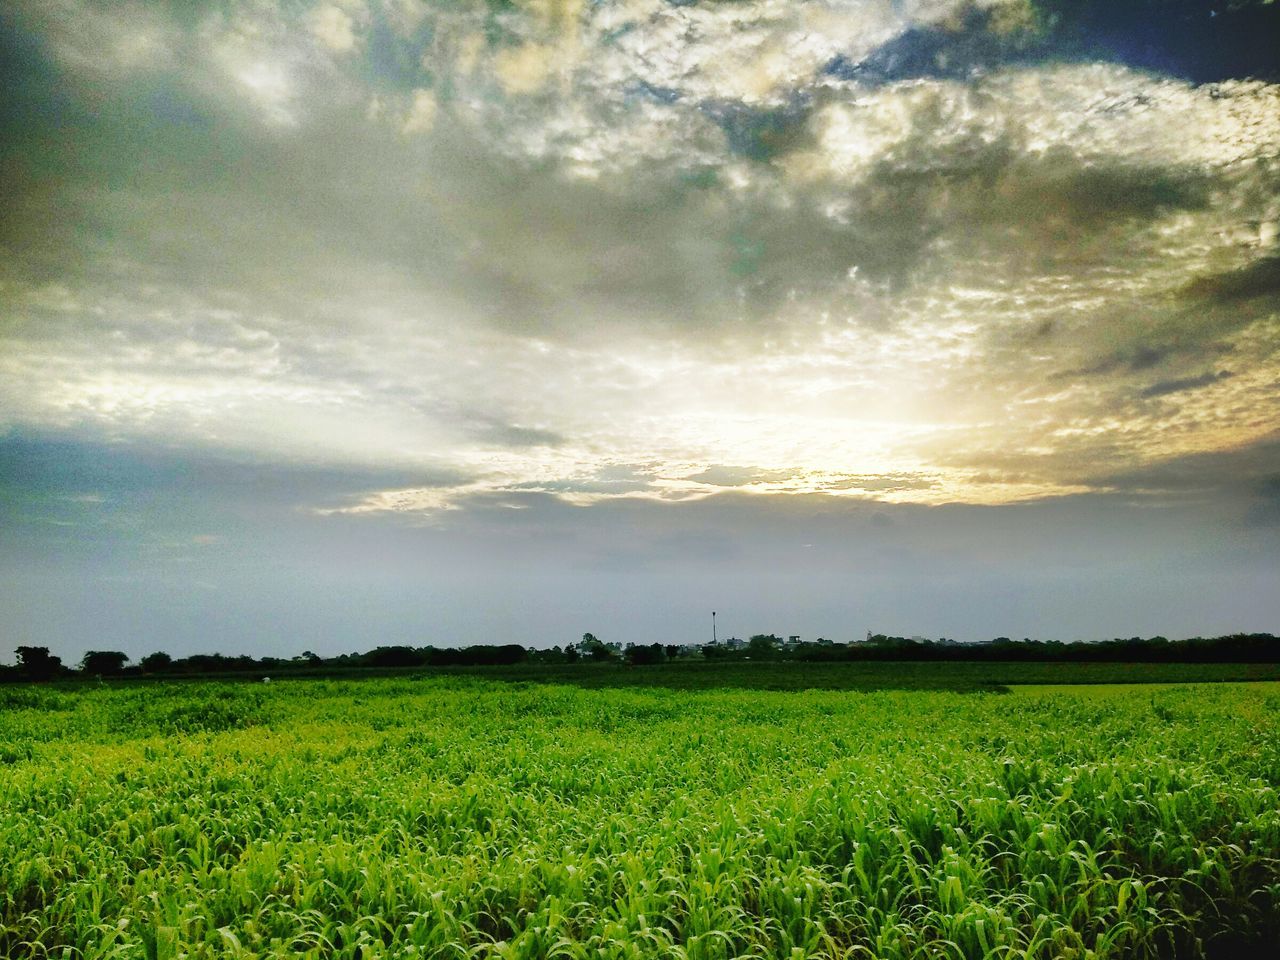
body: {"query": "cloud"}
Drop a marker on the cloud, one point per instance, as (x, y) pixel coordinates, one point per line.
(726, 476)
(1186, 544)
(1261, 278)
(422, 112)
(1163, 388)
(513, 435)
(672, 236)
(881, 483)
(1239, 479)
(333, 27)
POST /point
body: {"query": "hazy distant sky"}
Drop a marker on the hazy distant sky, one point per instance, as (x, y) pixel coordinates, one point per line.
(330, 325)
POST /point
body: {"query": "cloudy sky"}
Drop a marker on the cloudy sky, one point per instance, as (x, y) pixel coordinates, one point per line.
(329, 325)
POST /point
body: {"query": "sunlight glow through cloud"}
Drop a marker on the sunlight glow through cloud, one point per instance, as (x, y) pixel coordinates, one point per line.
(530, 244)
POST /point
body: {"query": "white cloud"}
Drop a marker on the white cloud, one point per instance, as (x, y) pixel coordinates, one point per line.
(333, 27)
(103, 43)
(421, 115)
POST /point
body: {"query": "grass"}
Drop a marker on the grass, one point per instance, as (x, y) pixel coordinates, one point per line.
(457, 816)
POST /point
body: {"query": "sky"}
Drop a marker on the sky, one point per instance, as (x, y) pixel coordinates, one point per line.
(330, 325)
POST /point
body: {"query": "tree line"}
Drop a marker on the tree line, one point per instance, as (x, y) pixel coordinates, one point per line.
(38, 664)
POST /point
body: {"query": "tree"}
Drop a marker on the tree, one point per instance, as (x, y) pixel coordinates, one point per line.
(104, 663)
(37, 663)
(638, 655)
(157, 662)
(762, 646)
(594, 649)
(394, 656)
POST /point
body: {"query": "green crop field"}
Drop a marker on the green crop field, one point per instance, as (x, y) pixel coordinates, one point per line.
(458, 816)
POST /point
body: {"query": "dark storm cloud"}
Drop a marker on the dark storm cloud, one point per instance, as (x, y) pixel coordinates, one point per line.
(1231, 479)
(988, 201)
(668, 253)
(1258, 279)
(1163, 388)
(1243, 483)
(1132, 359)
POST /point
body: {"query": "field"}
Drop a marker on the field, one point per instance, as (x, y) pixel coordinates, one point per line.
(459, 816)
(866, 675)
